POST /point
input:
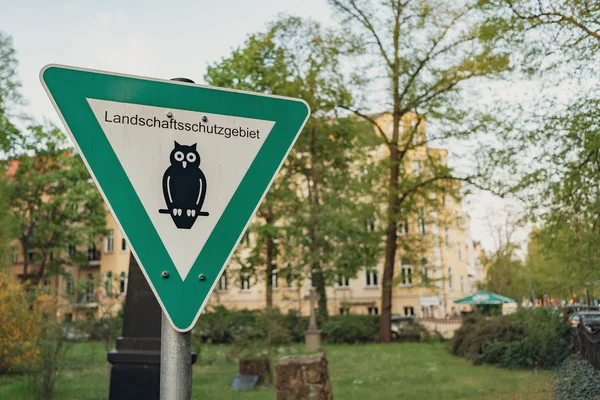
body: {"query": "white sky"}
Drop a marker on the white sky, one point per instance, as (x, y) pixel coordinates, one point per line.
(155, 39)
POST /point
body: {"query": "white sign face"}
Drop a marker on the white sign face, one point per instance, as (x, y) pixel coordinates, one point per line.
(156, 147)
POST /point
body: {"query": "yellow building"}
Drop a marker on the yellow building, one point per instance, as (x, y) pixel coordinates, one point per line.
(448, 261)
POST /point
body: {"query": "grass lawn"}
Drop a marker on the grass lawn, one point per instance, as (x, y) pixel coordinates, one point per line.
(410, 371)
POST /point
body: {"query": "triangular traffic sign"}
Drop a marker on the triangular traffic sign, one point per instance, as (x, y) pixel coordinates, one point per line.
(182, 167)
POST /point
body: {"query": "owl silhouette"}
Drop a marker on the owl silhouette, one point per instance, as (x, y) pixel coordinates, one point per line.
(184, 186)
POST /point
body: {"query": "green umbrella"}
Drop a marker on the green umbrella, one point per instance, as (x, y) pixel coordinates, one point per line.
(484, 298)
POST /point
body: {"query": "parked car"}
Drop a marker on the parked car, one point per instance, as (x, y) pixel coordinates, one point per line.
(585, 317)
(405, 328)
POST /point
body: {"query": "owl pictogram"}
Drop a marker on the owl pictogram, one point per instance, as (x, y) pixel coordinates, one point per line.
(184, 186)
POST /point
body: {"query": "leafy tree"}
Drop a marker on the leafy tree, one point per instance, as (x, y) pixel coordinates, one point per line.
(54, 203)
(9, 92)
(314, 205)
(424, 50)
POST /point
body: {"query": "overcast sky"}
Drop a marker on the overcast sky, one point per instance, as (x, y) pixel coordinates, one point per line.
(155, 39)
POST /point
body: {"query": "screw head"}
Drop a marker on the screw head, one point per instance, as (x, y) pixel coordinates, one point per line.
(204, 119)
(202, 277)
(165, 274)
(169, 114)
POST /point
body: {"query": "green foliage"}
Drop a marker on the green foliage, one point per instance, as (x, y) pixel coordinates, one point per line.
(530, 338)
(9, 93)
(577, 379)
(43, 371)
(221, 325)
(54, 203)
(263, 337)
(546, 340)
(351, 329)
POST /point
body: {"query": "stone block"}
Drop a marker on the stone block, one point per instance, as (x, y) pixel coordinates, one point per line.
(303, 377)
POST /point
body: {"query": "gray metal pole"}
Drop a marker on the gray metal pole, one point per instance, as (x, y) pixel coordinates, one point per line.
(175, 363)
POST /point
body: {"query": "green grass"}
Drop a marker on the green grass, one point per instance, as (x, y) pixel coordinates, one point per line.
(397, 371)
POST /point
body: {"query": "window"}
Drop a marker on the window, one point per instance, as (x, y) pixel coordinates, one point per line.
(68, 318)
(422, 224)
(424, 272)
(223, 283)
(14, 254)
(275, 279)
(450, 277)
(403, 228)
(443, 196)
(457, 220)
(371, 277)
(30, 255)
(89, 289)
(123, 244)
(447, 236)
(344, 310)
(47, 286)
(409, 311)
(108, 283)
(109, 242)
(69, 287)
(343, 281)
(417, 167)
(459, 253)
(245, 281)
(462, 284)
(93, 253)
(406, 275)
(122, 283)
(373, 311)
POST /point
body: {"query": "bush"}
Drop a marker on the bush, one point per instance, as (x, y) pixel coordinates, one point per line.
(20, 320)
(577, 379)
(221, 325)
(545, 343)
(351, 329)
(530, 338)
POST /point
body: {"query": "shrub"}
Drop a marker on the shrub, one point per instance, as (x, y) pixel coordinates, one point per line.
(545, 343)
(483, 339)
(529, 338)
(19, 326)
(221, 325)
(351, 329)
(577, 379)
(43, 370)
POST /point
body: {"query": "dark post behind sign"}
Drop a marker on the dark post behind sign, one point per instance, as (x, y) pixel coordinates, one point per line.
(135, 371)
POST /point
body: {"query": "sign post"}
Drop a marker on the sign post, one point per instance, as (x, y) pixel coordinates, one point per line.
(175, 363)
(183, 169)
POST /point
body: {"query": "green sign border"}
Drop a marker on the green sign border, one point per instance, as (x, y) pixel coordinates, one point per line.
(182, 300)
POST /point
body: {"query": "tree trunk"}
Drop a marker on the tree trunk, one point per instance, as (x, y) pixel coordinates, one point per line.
(391, 246)
(25, 248)
(318, 277)
(393, 203)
